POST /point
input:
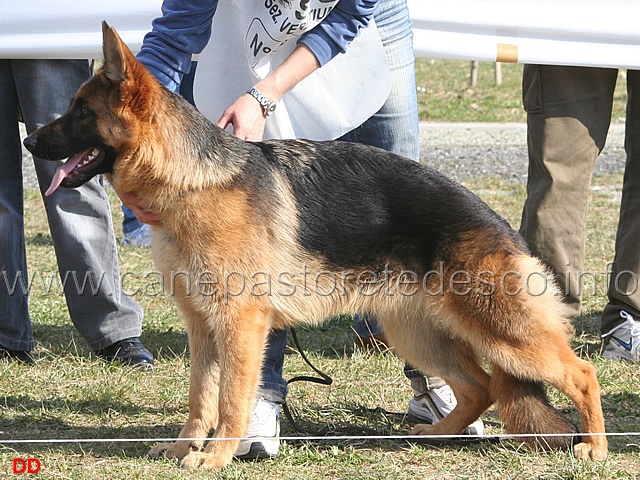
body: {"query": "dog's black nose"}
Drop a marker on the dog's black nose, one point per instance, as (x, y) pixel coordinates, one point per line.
(30, 142)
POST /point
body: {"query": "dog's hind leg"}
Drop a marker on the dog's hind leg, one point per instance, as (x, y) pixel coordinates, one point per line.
(524, 408)
(203, 392)
(520, 326)
(580, 384)
(576, 378)
(416, 337)
(240, 339)
(528, 339)
(471, 389)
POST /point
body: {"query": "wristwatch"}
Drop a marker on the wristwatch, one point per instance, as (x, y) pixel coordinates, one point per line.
(268, 107)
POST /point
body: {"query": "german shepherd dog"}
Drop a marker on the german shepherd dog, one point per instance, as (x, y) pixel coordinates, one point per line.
(279, 233)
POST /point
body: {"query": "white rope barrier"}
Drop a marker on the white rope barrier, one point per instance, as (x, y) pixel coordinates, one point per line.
(418, 438)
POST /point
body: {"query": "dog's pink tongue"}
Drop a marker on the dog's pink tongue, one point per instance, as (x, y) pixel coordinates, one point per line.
(64, 170)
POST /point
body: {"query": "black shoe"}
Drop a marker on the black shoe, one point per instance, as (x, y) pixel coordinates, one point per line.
(20, 355)
(129, 351)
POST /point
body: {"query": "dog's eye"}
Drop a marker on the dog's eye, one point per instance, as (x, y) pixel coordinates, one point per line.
(81, 110)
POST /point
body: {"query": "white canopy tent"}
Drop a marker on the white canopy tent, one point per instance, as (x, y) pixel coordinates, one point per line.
(71, 28)
(560, 32)
(569, 32)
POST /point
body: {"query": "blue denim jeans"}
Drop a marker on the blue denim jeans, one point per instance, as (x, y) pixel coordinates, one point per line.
(79, 219)
(394, 127)
(129, 221)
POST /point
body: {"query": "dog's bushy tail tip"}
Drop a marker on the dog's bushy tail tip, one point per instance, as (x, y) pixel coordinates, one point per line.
(525, 409)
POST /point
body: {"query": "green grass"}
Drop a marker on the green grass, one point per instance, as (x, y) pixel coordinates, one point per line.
(70, 394)
(444, 94)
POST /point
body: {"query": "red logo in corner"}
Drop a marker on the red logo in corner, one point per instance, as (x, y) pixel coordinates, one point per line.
(26, 465)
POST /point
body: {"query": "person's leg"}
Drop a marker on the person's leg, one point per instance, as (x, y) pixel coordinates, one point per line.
(395, 127)
(621, 317)
(568, 116)
(433, 399)
(134, 232)
(273, 387)
(79, 219)
(369, 334)
(15, 325)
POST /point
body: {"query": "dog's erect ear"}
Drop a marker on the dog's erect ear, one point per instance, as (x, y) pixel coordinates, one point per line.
(115, 54)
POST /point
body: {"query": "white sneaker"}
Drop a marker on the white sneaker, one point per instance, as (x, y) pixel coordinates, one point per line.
(140, 237)
(265, 427)
(625, 344)
(435, 404)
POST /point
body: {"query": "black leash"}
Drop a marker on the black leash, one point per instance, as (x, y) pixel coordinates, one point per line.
(323, 380)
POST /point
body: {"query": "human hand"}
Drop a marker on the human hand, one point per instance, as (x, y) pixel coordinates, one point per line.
(140, 209)
(245, 114)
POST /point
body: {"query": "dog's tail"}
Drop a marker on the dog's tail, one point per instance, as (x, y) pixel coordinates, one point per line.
(524, 408)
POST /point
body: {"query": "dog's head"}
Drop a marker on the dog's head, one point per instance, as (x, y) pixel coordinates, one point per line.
(103, 118)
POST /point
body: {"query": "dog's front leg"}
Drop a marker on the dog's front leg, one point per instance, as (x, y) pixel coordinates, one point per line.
(203, 392)
(240, 339)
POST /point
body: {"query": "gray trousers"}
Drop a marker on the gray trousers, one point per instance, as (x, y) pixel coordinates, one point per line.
(568, 117)
(79, 219)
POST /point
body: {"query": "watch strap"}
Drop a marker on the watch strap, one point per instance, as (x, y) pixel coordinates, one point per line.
(267, 105)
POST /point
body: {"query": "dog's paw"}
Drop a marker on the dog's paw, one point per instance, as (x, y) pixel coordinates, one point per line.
(423, 429)
(207, 461)
(159, 450)
(176, 450)
(586, 451)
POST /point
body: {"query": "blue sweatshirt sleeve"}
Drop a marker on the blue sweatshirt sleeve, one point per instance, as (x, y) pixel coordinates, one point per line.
(183, 29)
(337, 31)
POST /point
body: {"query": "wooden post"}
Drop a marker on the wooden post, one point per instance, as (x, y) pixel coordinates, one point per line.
(498, 73)
(473, 79)
(475, 67)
